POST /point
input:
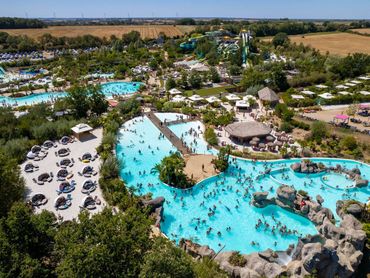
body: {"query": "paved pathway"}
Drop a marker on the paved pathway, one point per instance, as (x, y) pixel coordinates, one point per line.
(168, 133)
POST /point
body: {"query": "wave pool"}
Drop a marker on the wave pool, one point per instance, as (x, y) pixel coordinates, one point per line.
(217, 211)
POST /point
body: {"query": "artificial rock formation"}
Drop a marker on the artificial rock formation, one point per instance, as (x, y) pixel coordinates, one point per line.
(336, 251)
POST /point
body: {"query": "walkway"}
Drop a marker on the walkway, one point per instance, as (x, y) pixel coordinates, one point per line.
(168, 133)
(180, 121)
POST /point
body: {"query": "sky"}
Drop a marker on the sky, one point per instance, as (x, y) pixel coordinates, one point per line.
(306, 9)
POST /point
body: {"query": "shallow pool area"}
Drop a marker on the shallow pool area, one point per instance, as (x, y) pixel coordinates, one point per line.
(109, 89)
(217, 211)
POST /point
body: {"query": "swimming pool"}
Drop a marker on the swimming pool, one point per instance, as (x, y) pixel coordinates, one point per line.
(108, 89)
(223, 201)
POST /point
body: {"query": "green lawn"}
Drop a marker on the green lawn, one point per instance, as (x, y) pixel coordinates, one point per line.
(208, 91)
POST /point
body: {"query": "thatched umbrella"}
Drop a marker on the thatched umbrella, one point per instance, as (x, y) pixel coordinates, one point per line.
(253, 143)
(256, 139)
(270, 144)
(284, 139)
(270, 138)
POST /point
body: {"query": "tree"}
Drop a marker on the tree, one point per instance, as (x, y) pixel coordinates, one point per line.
(222, 161)
(280, 39)
(170, 83)
(97, 102)
(131, 37)
(166, 260)
(279, 80)
(107, 245)
(171, 171)
(210, 136)
(319, 131)
(195, 80)
(348, 143)
(26, 239)
(215, 77)
(77, 98)
(11, 183)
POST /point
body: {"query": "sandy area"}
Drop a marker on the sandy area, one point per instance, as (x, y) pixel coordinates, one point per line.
(194, 166)
(48, 164)
(328, 115)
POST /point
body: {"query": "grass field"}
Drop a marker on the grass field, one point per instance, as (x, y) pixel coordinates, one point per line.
(336, 43)
(146, 31)
(362, 31)
(208, 91)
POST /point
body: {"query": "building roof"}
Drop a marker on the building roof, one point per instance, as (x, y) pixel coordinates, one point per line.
(81, 128)
(267, 94)
(310, 93)
(242, 104)
(175, 91)
(195, 98)
(213, 99)
(232, 97)
(297, 97)
(248, 129)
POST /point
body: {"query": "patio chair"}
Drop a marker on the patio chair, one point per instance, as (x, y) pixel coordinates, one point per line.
(80, 174)
(56, 154)
(50, 179)
(34, 180)
(51, 174)
(73, 161)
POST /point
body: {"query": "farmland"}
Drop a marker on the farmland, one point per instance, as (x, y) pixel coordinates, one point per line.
(335, 43)
(146, 31)
(362, 31)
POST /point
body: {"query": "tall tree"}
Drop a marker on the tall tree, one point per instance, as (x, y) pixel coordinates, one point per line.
(11, 183)
(78, 99)
(97, 102)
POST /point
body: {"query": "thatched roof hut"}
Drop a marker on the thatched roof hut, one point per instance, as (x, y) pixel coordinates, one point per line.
(246, 130)
(268, 95)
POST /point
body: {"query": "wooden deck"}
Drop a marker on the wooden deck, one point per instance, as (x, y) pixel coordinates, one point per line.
(169, 134)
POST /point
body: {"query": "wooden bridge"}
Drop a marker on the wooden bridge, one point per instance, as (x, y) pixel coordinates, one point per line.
(176, 141)
(180, 121)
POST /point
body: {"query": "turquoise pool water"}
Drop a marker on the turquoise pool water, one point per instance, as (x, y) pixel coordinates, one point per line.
(109, 89)
(223, 201)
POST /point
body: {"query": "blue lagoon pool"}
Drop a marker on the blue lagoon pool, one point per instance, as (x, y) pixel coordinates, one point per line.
(217, 211)
(108, 89)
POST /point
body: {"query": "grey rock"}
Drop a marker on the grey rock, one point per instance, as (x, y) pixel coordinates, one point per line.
(354, 209)
(361, 183)
(286, 195)
(320, 199)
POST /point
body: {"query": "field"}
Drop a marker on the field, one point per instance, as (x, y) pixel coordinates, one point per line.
(146, 31)
(336, 43)
(206, 92)
(362, 31)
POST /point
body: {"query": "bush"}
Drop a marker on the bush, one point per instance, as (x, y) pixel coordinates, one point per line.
(319, 131)
(303, 193)
(210, 136)
(17, 148)
(287, 127)
(348, 143)
(109, 168)
(236, 259)
(300, 125)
